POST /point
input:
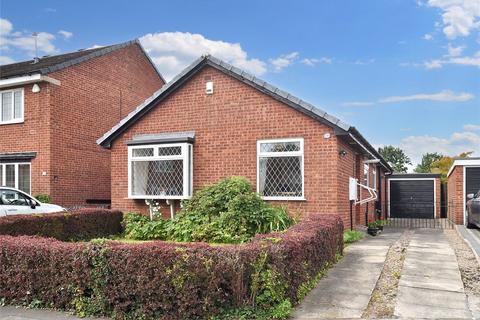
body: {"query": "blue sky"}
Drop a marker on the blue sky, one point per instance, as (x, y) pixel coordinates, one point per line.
(403, 72)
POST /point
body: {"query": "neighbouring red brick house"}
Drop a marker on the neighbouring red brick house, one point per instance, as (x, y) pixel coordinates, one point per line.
(213, 121)
(463, 179)
(52, 110)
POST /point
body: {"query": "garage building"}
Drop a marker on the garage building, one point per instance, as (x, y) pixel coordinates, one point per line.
(463, 179)
(414, 196)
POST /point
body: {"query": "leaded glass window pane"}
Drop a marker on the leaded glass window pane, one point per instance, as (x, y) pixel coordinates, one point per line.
(280, 146)
(10, 175)
(143, 152)
(17, 109)
(157, 178)
(7, 107)
(24, 177)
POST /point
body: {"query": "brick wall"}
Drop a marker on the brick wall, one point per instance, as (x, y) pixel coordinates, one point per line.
(32, 134)
(62, 123)
(227, 126)
(438, 194)
(93, 97)
(455, 195)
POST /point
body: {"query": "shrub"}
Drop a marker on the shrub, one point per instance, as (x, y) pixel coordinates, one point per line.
(43, 197)
(226, 212)
(140, 227)
(83, 224)
(262, 279)
(351, 236)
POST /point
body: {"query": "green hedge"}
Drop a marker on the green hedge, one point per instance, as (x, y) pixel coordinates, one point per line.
(262, 279)
(84, 224)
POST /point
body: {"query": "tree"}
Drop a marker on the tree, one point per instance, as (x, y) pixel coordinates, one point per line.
(396, 157)
(427, 160)
(444, 164)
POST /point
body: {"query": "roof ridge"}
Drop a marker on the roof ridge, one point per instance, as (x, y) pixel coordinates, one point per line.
(282, 93)
(97, 53)
(89, 53)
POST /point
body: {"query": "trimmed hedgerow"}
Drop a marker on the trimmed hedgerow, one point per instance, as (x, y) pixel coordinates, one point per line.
(262, 279)
(82, 224)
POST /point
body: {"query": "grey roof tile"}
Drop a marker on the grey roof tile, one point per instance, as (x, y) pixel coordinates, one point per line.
(50, 64)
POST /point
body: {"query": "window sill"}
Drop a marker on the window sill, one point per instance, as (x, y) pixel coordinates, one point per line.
(159, 197)
(11, 122)
(283, 199)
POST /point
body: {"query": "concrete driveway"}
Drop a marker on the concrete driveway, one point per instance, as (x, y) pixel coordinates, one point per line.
(430, 285)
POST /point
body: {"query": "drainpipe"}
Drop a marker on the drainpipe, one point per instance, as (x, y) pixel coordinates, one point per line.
(171, 202)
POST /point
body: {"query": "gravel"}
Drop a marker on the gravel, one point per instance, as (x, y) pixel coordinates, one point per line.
(383, 299)
(469, 267)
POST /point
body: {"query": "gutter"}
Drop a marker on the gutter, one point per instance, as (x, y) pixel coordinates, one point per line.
(375, 158)
(18, 81)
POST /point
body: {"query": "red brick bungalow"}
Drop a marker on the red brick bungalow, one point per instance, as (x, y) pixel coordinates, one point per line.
(214, 120)
(52, 110)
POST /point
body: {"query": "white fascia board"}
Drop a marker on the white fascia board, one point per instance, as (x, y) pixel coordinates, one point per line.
(18, 81)
(463, 162)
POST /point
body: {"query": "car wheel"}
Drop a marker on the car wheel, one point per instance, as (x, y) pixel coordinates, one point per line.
(469, 224)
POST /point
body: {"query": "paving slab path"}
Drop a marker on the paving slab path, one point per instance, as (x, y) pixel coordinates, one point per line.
(431, 286)
(20, 313)
(346, 289)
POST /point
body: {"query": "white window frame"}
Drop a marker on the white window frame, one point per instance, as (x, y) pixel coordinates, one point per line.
(300, 153)
(22, 106)
(374, 177)
(187, 148)
(366, 180)
(3, 168)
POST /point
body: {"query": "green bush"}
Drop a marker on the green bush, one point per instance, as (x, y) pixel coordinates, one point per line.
(351, 236)
(43, 197)
(140, 227)
(226, 212)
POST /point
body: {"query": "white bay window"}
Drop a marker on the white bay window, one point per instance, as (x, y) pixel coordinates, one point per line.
(11, 106)
(160, 171)
(16, 175)
(280, 169)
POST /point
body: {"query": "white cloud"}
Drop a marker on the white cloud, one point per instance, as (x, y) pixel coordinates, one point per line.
(357, 103)
(459, 17)
(314, 61)
(5, 27)
(284, 61)
(364, 62)
(471, 127)
(24, 41)
(458, 142)
(427, 36)
(472, 61)
(173, 51)
(65, 34)
(455, 51)
(443, 96)
(6, 60)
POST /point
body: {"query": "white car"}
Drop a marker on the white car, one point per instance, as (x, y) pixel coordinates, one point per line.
(14, 201)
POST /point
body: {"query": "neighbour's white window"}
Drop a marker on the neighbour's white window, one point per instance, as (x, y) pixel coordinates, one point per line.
(374, 178)
(366, 179)
(11, 106)
(162, 171)
(280, 169)
(16, 175)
